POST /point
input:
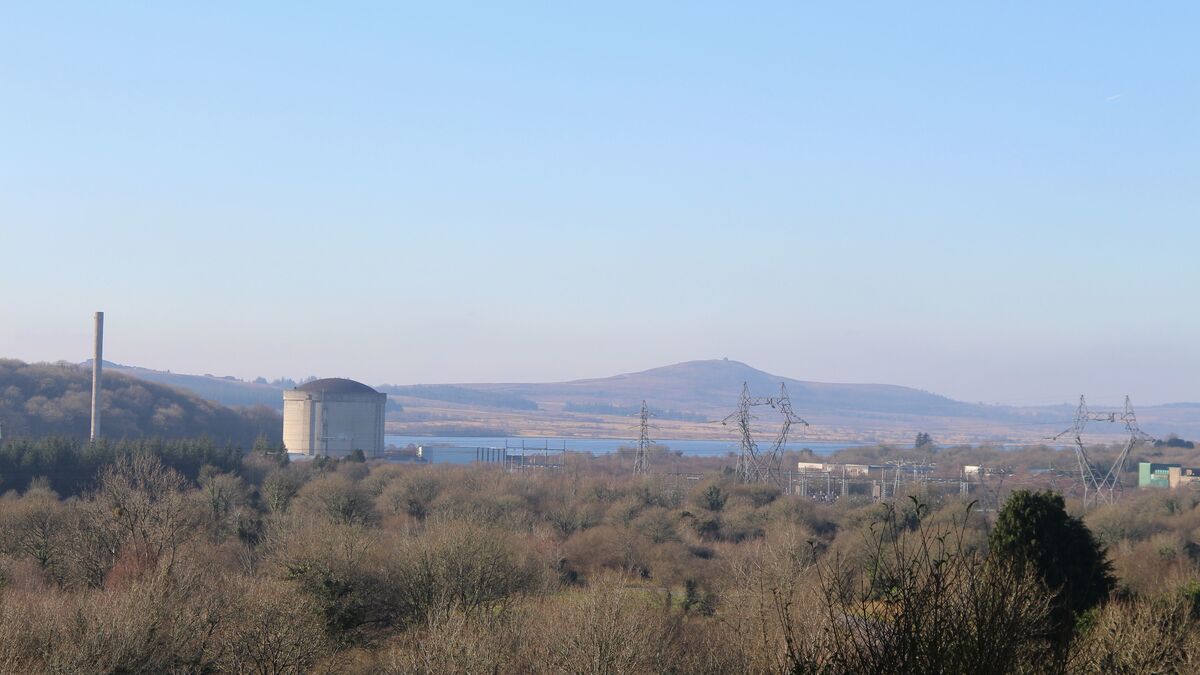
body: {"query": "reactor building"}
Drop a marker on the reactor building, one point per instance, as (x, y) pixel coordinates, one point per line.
(333, 417)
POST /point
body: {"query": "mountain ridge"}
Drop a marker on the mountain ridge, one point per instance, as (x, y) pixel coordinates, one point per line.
(715, 384)
(702, 389)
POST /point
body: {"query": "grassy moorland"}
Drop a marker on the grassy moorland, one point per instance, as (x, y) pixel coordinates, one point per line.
(166, 559)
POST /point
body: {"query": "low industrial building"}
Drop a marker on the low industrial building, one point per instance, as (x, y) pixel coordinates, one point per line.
(850, 470)
(1178, 476)
(1158, 475)
(333, 417)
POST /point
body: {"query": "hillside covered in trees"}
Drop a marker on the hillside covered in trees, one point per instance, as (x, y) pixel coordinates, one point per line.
(44, 399)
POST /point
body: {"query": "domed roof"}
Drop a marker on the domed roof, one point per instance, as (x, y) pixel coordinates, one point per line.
(336, 385)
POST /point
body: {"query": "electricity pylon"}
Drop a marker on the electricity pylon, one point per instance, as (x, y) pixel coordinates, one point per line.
(1106, 488)
(753, 466)
(641, 460)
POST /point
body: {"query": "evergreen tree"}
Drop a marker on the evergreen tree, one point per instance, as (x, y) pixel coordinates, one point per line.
(1034, 532)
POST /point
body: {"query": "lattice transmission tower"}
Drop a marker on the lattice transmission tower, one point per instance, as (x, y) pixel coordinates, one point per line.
(1102, 488)
(754, 466)
(641, 459)
(743, 417)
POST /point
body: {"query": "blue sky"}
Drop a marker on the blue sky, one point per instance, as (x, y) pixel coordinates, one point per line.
(995, 203)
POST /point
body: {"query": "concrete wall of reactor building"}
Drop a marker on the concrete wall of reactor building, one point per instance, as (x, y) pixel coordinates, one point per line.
(334, 424)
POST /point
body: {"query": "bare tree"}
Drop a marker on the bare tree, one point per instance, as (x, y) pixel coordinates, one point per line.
(35, 526)
(272, 630)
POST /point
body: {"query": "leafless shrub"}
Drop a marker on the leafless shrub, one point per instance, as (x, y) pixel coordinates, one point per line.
(339, 499)
(463, 574)
(22, 631)
(35, 527)
(138, 516)
(148, 506)
(224, 495)
(607, 628)
(453, 641)
(607, 547)
(343, 569)
(1154, 635)
(160, 622)
(366, 579)
(771, 612)
(279, 487)
(924, 604)
(411, 494)
(468, 568)
(272, 629)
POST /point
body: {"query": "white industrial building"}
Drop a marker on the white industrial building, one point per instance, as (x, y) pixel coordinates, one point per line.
(333, 417)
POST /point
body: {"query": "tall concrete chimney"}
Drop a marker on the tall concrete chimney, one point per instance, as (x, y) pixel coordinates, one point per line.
(97, 366)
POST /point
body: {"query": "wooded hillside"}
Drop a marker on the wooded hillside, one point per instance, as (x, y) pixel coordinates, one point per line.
(44, 399)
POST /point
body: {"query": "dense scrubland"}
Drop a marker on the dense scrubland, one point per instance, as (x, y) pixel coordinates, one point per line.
(182, 556)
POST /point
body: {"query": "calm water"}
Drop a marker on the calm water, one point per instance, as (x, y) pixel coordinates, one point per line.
(462, 449)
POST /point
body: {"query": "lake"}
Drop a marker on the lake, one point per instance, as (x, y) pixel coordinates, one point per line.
(462, 449)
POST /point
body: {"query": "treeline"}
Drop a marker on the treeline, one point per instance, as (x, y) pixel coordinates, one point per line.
(1174, 441)
(70, 466)
(258, 565)
(55, 399)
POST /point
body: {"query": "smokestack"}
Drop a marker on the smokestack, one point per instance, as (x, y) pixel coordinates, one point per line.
(97, 366)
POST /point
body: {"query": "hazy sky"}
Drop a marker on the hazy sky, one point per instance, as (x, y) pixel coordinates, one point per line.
(995, 204)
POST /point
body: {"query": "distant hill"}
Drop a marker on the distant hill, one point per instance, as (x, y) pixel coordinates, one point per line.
(55, 399)
(231, 391)
(227, 391)
(692, 397)
(463, 395)
(714, 386)
(869, 412)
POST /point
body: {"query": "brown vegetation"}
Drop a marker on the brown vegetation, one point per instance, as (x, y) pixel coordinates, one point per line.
(273, 568)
